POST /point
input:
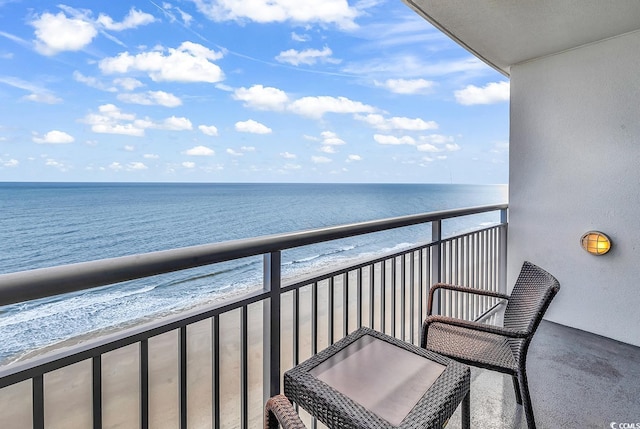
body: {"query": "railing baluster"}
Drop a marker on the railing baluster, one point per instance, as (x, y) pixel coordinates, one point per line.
(403, 297)
(271, 329)
(244, 368)
(215, 333)
(331, 292)
(144, 384)
(296, 326)
(393, 297)
(345, 304)
(37, 387)
(359, 296)
(383, 295)
(183, 376)
(371, 295)
(314, 318)
(96, 372)
(412, 297)
(467, 277)
(436, 258)
(421, 287)
(502, 282)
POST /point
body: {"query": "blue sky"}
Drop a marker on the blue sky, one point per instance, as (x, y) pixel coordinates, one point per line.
(243, 91)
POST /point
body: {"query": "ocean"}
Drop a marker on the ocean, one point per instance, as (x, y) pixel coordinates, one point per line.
(49, 224)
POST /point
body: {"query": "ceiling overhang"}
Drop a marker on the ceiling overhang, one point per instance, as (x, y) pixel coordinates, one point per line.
(504, 33)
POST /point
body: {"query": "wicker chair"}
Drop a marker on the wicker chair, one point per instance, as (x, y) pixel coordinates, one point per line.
(279, 410)
(502, 349)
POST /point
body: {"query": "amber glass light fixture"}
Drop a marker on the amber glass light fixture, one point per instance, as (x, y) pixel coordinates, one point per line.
(596, 242)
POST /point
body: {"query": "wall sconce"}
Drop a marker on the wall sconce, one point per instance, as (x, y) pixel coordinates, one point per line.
(596, 242)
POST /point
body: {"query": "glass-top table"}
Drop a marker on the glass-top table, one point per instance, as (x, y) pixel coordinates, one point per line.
(371, 380)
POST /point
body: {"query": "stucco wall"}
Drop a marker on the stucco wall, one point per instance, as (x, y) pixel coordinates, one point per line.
(575, 166)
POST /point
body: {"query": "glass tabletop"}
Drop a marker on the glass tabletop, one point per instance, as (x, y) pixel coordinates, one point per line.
(384, 378)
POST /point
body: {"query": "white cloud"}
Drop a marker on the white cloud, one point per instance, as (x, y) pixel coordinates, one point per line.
(308, 56)
(199, 151)
(287, 155)
(253, 127)
(128, 83)
(190, 62)
(493, 92)
(151, 156)
(54, 137)
(186, 18)
(328, 149)
(436, 139)
(316, 107)
(175, 124)
(38, 94)
(92, 82)
(337, 12)
(188, 164)
(330, 138)
(111, 120)
(151, 98)
(352, 158)
(248, 149)
(409, 66)
(116, 166)
(234, 153)
(397, 123)
(445, 143)
(262, 98)
(43, 97)
(290, 166)
(136, 166)
(129, 148)
(50, 162)
(320, 159)
(300, 37)
(407, 86)
(209, 130)
(393, 140)
(134, 18)
(427, 147)
(57, 33)
(10, 162)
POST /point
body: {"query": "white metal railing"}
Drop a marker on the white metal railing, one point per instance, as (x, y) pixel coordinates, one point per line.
(214, 366)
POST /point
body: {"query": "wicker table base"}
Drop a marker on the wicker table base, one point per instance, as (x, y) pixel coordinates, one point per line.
(371, 380)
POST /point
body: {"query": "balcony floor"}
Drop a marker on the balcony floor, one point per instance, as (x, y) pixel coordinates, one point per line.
(576, 380)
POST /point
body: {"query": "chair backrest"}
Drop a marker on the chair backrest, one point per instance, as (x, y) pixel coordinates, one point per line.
(530, 297)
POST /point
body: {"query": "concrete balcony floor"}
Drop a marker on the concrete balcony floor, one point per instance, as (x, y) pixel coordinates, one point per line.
(577, 380)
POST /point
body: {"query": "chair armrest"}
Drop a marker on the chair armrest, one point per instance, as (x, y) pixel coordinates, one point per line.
(464, 289)
(476, 326)
(279, 410)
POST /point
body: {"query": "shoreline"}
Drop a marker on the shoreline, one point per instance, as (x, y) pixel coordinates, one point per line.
(68, 390)
(327, 266)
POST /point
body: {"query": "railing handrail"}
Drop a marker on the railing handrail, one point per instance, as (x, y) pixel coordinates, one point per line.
(45, 282)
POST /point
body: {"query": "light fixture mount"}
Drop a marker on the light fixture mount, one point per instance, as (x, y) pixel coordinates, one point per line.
(596, 242)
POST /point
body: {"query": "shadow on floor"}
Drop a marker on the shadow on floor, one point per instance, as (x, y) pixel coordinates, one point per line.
(577, 380)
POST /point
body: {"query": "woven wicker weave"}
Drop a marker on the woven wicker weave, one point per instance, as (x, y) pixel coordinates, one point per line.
(280, 411)
(502, 349)
(338, 411)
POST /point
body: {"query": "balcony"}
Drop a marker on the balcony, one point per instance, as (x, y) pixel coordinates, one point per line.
(213, 366)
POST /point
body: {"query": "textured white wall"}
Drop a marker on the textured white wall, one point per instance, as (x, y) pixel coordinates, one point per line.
(575, 166)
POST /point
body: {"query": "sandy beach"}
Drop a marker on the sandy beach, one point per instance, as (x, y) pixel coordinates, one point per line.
(68, 390)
